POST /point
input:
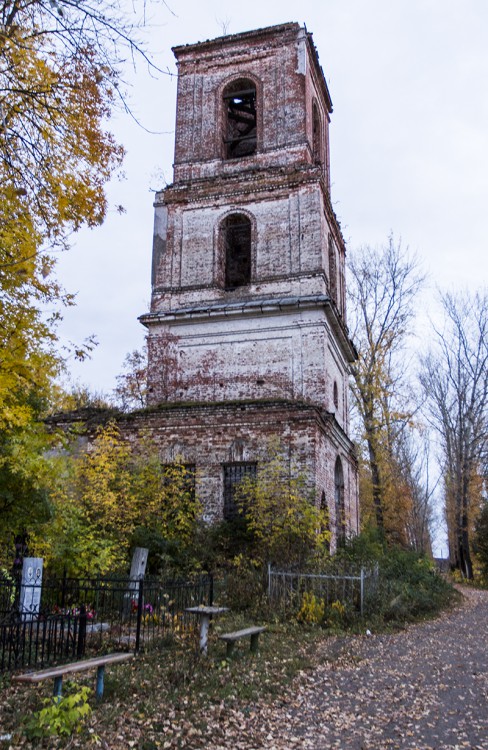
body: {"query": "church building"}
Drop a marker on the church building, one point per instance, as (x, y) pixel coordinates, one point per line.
(247, 337)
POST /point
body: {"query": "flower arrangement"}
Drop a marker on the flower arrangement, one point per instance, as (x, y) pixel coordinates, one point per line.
(90, 613)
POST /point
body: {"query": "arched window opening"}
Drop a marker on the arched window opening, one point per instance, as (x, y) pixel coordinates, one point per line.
(240, 135)
(316, 134)
(332, 271)
(339, 503)
(237, 248)
(336, 395)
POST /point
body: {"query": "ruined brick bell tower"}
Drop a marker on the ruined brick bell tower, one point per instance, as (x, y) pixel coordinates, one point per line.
(247, 333)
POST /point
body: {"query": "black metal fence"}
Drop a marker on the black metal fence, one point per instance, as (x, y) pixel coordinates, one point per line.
(79, 617)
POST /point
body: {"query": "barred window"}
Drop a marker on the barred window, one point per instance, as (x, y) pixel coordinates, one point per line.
(234, 474)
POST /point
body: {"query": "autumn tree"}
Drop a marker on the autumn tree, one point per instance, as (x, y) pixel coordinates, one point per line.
(455, 380)
(106, 492)
(79, 397)
(59, 82)
(481, 539)
(131, 390)
(279, 510)
(26, 473)
(382, 286)
(412, 478)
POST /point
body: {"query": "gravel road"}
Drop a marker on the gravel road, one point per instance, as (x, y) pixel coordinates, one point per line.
(425, 688)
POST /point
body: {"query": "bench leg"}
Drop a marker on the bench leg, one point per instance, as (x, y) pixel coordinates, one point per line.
(254, 642)
(58, 687)
(230, 648)
(100, 677)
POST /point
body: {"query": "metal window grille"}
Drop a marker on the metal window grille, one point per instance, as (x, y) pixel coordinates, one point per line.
(233, 474)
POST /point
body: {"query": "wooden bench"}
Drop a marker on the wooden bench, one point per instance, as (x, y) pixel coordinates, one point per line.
(231, 638)
(57, 673)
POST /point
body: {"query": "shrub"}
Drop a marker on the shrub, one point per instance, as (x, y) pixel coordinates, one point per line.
(60, 716)
(481, 541)
(279, 509)
(312, 609)
(409, 586)
(336, 614)
(245, 584)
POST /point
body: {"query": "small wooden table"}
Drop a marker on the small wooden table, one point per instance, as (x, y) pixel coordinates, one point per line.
(204, 613)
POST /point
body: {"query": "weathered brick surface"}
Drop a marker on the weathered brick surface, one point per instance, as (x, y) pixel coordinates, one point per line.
(210, 435)
(279, 354)
(282, 63)
(282, 337)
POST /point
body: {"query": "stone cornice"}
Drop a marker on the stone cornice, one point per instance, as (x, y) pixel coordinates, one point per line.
(261, 179)
(220, 43)
(260, 306)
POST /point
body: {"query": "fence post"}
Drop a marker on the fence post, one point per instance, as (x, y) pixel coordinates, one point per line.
(80, 650)
(63, 590)
(211, 590)
(269, 581)
(140, 605)
(362, 591)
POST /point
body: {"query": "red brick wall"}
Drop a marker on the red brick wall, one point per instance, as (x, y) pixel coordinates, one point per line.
(212, 435)
(280, 337)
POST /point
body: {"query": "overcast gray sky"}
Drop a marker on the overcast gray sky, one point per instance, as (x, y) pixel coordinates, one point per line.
(409, 149)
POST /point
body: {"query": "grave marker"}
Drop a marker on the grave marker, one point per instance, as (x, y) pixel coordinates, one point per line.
(137, 572)
(31, 587)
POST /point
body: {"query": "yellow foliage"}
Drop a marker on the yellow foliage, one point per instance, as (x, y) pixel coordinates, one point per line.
(58, 73)
(55, 158)
(280, 511)
(104, 494)
(336, 613)
(312, 609)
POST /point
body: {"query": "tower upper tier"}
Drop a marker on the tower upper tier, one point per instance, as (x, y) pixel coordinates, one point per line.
(248, 101)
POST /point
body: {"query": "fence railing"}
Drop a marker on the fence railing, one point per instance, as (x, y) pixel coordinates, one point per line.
(77, 617)
(353, 588)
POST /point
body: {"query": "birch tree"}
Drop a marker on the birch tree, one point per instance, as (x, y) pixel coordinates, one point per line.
(455, 379)
(382, 287)
(414, 480)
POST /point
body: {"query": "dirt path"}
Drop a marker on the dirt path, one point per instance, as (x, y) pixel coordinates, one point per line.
(422, 689)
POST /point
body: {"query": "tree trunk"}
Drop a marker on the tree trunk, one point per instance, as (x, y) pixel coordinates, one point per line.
(377, 487)
(465, 553)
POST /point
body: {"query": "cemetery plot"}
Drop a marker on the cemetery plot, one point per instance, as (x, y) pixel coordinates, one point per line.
(76, 618)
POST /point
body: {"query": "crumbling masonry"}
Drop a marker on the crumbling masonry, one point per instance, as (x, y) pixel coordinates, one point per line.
(247, 329)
